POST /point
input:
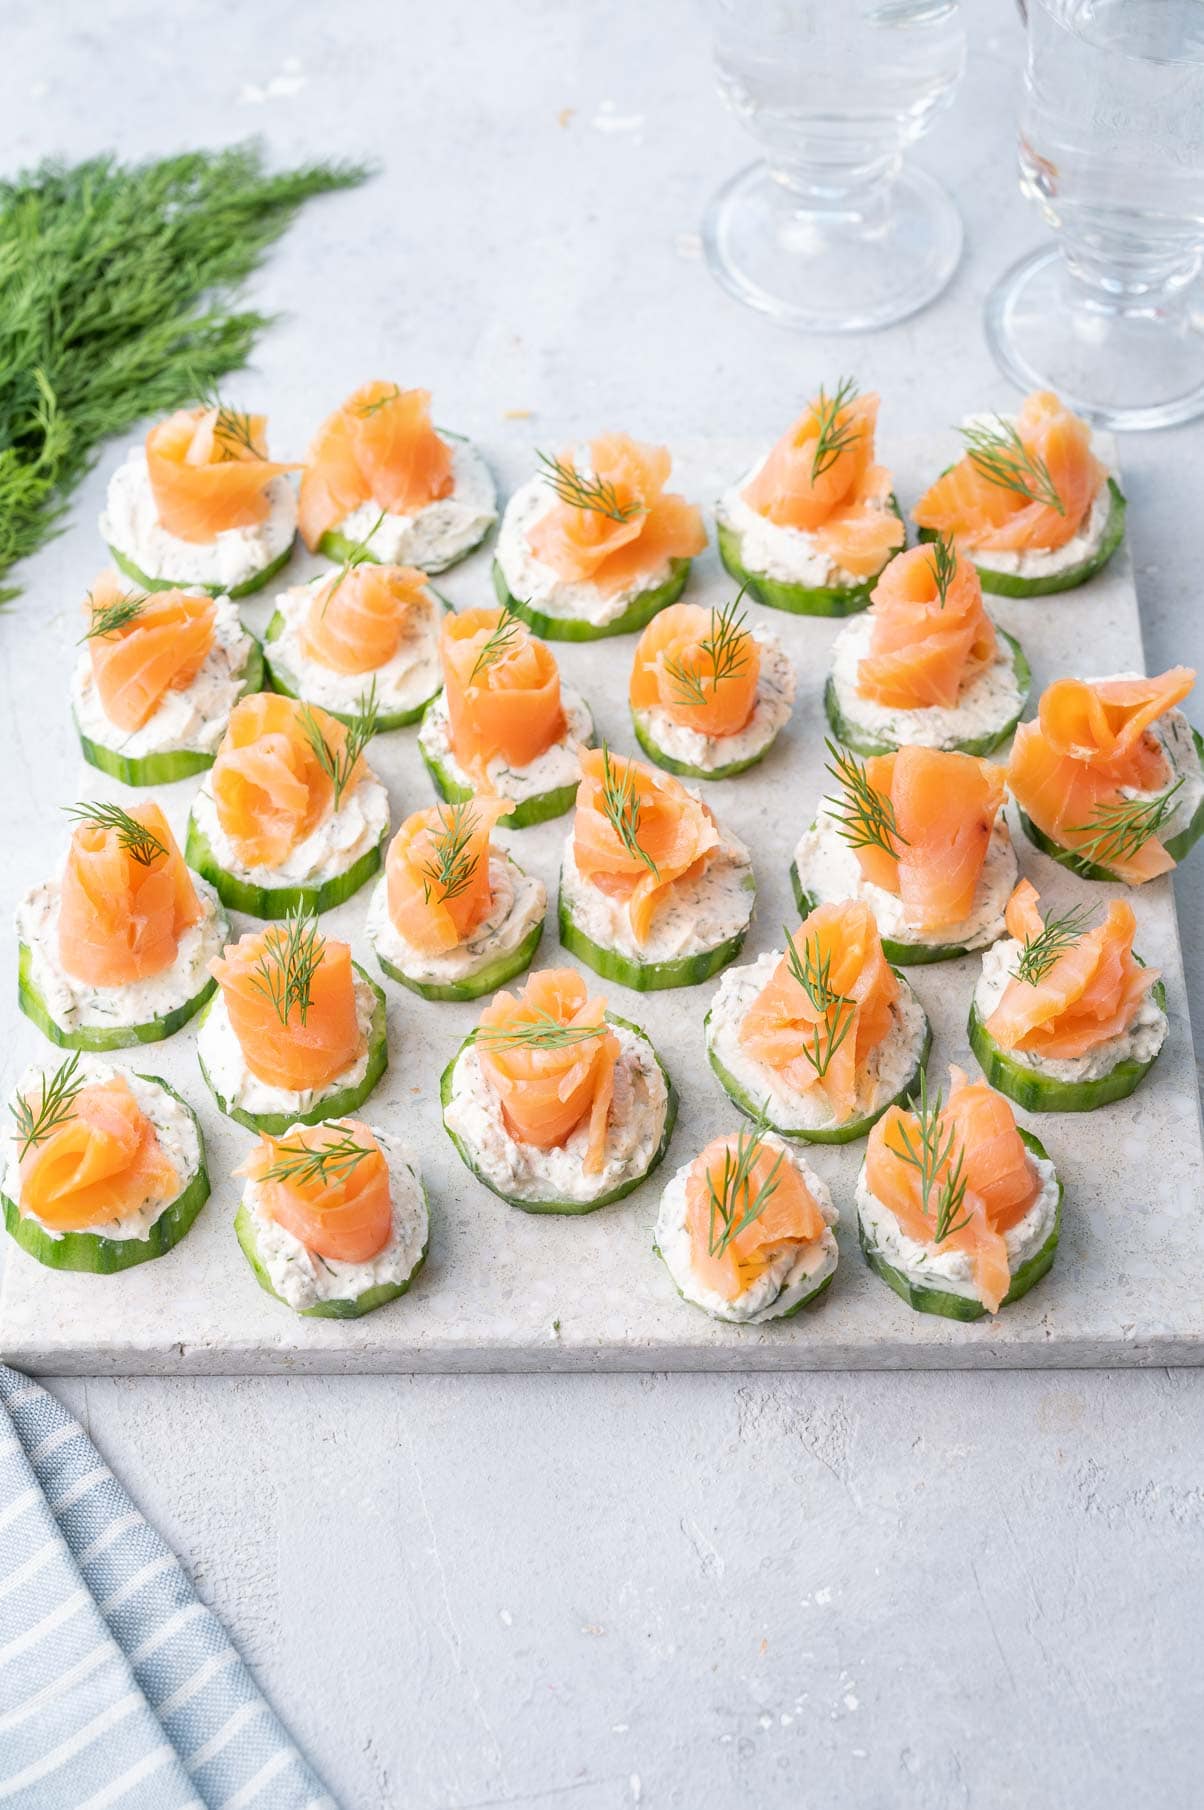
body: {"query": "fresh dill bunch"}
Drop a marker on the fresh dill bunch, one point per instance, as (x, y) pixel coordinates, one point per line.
(866, 818)
(139, 843)
(999, 455)
(724, 654)
(55, 1104)
(326, 1163)
(453, 868)
(834, 434)
(1040, 952)
(813, 972)
(338, 762)
(1117, 830)
(290, 957)
(598, 495)
(621, 808)
(734, 1205)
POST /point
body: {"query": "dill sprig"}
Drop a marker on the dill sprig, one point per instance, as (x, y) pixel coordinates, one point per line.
(999, 455)
(453, 868)
(1040, 952)
(725, 651)
(356, 556)
(866, 818)
(107, 618)
(621, 808)
(834, 434)
(327, 1163)
(543, 1032)
(232, 429)
(734, 1205)
(944, 566)
(1117, 831)
(56, 1102)
(338, 762)
(139, 843)
(500, 642)
(289, 958)
(365, 410)
(598, 495)
(939, 1168)
(813, 972)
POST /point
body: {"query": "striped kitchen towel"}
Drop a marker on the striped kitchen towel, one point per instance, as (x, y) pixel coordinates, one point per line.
(117, 1686)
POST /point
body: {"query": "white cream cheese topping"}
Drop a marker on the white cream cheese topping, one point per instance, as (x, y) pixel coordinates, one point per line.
(519, 903)
(985, 706)
(131, 525)
(1140, 1041)
(558, 766)
(221, 1052)
(335, 845)
(771, 550)
(530, 581)
(694, 914)
(442, 532)
(403, 683)
(774, 702)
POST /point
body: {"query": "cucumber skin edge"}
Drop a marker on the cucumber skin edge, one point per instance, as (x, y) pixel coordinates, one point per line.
(1041, 1093)
(1011, 584)
(168, 766)
(637, 614)
(488, 980)
(256, 581)
(275, 902)
(846, 732)
(99, 1037)
(647, 977)
(900, 955)
(345, 1308)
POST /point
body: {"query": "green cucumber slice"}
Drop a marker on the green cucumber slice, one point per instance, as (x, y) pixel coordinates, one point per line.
(1011, 584)
(650, 977)
(800, 599)
(1042, 1093)
(569, 1207)
(98, 1036)
(100, 1256)
(848, 731)
(1178, 846)
(786, 1314)
(638, 614)
(165, 768)
(351, 1307)
(337, 1105)
(486, 979)
(899, 955)
(287, 684)
(655, 753)
(960, 1307)
(256, 581)
(340, 548)
(278, 901)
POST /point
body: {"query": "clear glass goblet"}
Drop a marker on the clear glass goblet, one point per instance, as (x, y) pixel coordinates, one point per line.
(831, 232)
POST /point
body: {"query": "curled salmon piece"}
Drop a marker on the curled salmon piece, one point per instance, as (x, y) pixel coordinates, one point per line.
(103, 1161)
(790, 1217)
(270, 789)
(121, 918)
(978, 1129)
(548, 1085)
(317, 1035)
(669, 834)
(358, 619)
(209, 472)
(1089, 740)
(825, 1048)
(379, 446)
(701, 676)
(944, 807)
(159, 649)
(502, 688)
(437, 873)
(969, 507)
(925, 649)
(643, 525)
(339, 1205)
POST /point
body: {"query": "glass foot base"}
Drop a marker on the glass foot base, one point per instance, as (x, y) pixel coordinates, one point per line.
(1122, 370)
(832, 270)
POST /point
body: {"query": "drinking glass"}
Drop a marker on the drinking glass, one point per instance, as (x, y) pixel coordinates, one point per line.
(1112, 152)
(831, 232)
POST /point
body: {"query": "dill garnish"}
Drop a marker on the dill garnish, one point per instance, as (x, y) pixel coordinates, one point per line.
(499, 643)
(595, 494)
(55, 1104)
(999, 455)
(938, 1167)
(326, 1163)
(813, 972)
(866, 818)
(1116, 832)
(290, 956)
(139, 843)
(338, 763)
(453, 868)
(1040, 952)
(356, 556)
(734, 1206)
(944, 566)
(107, 618)
(621, 808)
(365, 410)
(834, 434)
(725, 651)
(540, 1033)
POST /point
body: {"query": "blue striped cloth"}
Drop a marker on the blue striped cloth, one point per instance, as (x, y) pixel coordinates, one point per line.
(118, 1687)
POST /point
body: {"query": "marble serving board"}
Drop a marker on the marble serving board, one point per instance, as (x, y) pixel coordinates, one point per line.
(503, 1290)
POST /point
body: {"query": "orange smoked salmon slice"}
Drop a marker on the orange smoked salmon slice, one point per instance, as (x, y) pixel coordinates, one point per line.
(121, 920)
(269, 787)
(676, 833)
(1001, 1181)
(160, 649)
(681, 669)
(377, 447)
(945, 806)
(546, 1093)
(980, 514)
(791, 1217)
(437, 904)
(586, 546)
(209, 472)
(102, 1162)
(783, 1023)
(502, 688)
(1087, 742)
(320, 1039)
(348, 1217)
(924, 650)
(359, 618)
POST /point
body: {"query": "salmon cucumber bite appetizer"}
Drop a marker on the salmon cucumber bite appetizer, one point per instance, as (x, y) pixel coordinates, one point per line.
(811, 526)
(925, 665)
(454, 917)
(594, 544)
(115, 950)
(1065, 1016)
(920, 837)
(1109, 778)
(103, 1169)
(818, 1041)
(1029, 502)
(381, 478)
(334, 1218)
(201, 505)
(291, 817)
(553, 1102)
(296, 1031)
(157, 678)
(708, 694)
(504, 723)
(958, 1209)
(745, 1230)
(652, 892)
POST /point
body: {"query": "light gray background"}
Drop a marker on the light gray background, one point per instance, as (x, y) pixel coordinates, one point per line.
(694, 1591)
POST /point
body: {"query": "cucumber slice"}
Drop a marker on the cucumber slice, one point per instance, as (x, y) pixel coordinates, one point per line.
(256, 581)
(800, 599)
(288, 684)
(278, 901)
(572, 1207)
(163, 769)
(638, 614)
(899, 955)
(486, 979)
(103, 1036)
(650, 977)
(540, 807)
(351, 1307)
(340, 1103)
(1012, 584)
(1177, 846)
(340, 548)
(655, 753)
(961, 1307)
(101, 1256)
(1038, 1092)
(847, 730)
(787, 1313)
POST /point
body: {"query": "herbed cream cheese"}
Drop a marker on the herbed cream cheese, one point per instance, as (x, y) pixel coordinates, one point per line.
(334, 846)
(131, 525)
(984, 707)
(75, 1004)
(193, 719)
(519, 903)
(303, 1279)
(772, 550)
(1140, 1041)
(174, 1127)
(771, 709)
(1173, 733)
(829, 870)
(888, 1067)
(1042, 562)
(530, 581)
(442, 532)
(402, 683)
(791, 1274)
(226, 1066)
(695, 913)
(633, 1133)
(559, 765)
